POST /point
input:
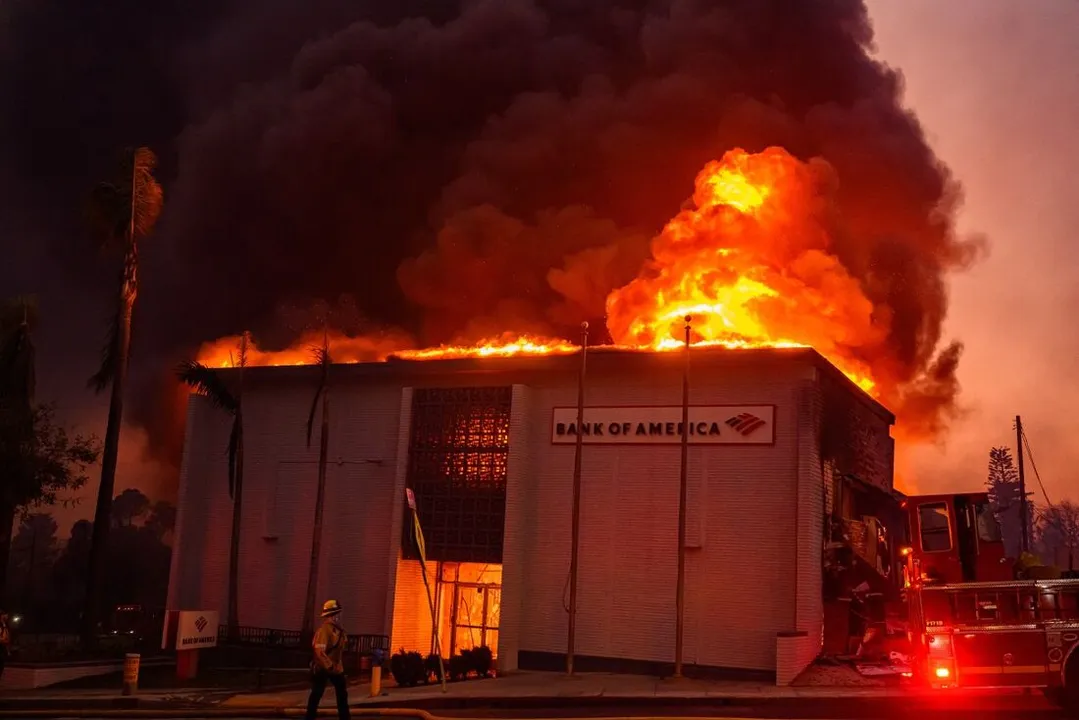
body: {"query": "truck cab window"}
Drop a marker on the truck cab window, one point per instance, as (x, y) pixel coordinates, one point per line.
(934, 527)
(988, 526)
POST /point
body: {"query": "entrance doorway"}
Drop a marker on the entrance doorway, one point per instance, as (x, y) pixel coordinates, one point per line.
(470, 606)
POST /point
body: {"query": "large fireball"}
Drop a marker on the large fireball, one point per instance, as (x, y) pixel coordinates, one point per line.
(750, 264)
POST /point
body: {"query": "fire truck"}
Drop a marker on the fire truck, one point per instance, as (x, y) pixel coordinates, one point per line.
(971, 623)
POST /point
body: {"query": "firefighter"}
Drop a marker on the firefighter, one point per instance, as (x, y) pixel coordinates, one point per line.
(328, 665)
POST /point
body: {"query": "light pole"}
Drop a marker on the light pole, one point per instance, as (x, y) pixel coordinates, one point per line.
(680, 587)
(576, 531)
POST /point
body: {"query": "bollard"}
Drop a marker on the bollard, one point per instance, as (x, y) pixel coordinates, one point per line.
(376, 680)
(131, 673)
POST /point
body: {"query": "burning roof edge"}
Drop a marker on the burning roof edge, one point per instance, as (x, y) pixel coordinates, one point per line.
(598, 358)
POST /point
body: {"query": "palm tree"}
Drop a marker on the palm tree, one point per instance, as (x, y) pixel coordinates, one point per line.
(17, 390)
(322, 355)
(208, 382)
(122, 213)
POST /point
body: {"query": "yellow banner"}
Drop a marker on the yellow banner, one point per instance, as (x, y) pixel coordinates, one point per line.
(419, 537)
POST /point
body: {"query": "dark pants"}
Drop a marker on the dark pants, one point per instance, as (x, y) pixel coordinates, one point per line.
(318, 686)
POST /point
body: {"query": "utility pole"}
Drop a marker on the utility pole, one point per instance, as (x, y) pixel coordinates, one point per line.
(680, 588)
(1025, 542)
(576, 531)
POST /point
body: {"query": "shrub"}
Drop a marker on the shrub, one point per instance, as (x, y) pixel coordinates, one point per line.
(459, 667)
(482, 659)
(434, 667)
(407, 668)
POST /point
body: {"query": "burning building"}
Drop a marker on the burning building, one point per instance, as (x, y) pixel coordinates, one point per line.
(487, 446)
(794, 355)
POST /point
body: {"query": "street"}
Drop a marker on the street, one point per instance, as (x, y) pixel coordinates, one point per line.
(734, 714)
(1029, 708)
(1033, 708)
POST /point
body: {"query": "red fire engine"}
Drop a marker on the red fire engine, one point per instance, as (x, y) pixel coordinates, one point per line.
(971, 623)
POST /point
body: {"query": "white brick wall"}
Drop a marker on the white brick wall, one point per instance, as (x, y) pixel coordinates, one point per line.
(809, 518)
(739, 582)
(520, 501)
(199, 576)
(280, 481)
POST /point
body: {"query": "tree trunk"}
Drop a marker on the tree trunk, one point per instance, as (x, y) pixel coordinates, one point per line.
(103, 513)
(234, 543)
(316, 539)
(7, 527)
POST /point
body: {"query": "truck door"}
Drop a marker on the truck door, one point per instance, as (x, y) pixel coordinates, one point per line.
(965, 530)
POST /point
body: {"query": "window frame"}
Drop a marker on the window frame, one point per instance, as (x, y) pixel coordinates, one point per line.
(921, 527)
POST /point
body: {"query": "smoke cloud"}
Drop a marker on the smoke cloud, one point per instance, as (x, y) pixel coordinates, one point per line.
(457, 168)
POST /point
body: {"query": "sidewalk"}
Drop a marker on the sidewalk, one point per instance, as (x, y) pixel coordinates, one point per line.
(523, 690)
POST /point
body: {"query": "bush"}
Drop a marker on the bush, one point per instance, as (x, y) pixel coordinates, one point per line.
(459, 667)
(407, 668)
(482, 659)
(434, 667)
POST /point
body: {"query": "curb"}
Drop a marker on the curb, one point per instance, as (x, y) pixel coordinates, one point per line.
(563, 701)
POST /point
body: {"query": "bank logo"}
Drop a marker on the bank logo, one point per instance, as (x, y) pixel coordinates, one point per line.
(200, 624)
(745, 424)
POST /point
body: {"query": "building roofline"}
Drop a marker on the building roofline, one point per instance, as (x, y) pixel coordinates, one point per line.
(599, 357)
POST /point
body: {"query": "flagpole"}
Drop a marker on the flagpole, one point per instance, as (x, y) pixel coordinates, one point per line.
(576, 530)
(420, 545)
(680, 588)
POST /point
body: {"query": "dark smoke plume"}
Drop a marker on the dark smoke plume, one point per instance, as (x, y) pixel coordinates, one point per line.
(460, 166)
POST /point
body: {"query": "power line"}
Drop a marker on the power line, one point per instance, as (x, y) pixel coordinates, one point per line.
(1034, 467)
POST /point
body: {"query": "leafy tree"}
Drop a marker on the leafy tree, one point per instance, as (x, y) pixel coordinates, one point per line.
(129, 506)
(1058, 530)
(162, 521)
(70, 570)
(322, 355)
(122, 212)
(208, 382)
(138, 562)
(33, 552)
(1002, 484)
(39, 461)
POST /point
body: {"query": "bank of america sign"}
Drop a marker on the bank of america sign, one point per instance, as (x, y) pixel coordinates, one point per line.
(648, 425)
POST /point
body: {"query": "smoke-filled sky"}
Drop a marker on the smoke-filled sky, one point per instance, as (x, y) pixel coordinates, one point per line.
(385, 151)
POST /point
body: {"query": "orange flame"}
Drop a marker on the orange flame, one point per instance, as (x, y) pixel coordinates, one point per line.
(749, 264)
(224, 352)
(504, 346)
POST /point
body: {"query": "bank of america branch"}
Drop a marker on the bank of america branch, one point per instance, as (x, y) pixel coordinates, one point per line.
(487, 446)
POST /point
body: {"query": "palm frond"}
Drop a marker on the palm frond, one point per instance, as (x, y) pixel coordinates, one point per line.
(322, 357)
(125, 209)
(106, 371)
(146, 195)
(243, 350)
(207, 381)
(18, 377)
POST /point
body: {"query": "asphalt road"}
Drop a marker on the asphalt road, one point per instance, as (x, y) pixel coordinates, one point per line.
(1022, 709)
(1019, 709)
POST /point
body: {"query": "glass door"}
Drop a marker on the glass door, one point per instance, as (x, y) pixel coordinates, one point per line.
(477, 609)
